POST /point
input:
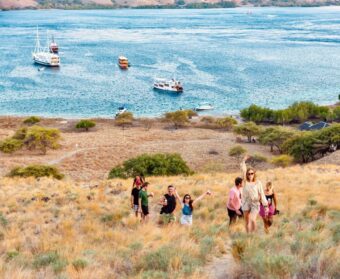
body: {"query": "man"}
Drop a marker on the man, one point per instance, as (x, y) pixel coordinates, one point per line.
(235, 201)
(169, 206)
(143, 202)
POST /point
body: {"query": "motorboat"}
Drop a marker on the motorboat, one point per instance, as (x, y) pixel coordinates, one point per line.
(123, 62)
(203, 107)
(121, 110)
(43, 56)
(168, 85)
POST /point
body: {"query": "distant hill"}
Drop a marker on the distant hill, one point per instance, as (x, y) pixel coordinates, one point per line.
(91, 4)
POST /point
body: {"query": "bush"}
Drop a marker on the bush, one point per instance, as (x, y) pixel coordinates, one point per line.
(336, 112)
(283, 160)
(226, 122)
(10, 145)
(79, 264)
(85, 124)
(152, 165)
(36, 171)
(20, 134)
(258, 158)
(42, 138)
(31, 120)
(177, 118)
(237, 151)
(125, 119)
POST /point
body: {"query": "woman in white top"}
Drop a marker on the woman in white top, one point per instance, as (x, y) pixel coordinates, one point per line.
(253, 195)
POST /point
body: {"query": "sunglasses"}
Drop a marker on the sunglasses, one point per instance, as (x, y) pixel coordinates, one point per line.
(187, 198)
(250, 173)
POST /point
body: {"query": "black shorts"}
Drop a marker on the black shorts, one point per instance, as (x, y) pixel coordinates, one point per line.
(232, 213)
(145, 210)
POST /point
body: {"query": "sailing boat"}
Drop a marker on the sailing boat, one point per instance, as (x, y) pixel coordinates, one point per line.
(43, 56)
(54, 46)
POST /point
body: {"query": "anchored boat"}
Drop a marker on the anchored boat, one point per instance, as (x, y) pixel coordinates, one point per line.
(43, 56)
(123, 62)
(168, 85)
(54, 46)
(204, 106)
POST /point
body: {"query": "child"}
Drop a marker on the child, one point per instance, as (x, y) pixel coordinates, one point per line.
(144, 201)
(235, 201)
(188, 207)
(135, 198)
(272, 206)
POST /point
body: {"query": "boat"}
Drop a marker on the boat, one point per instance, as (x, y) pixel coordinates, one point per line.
(168, 85)
(43, 56)
(123, 62)
(54, 46)
(203, 106)
(121, 110)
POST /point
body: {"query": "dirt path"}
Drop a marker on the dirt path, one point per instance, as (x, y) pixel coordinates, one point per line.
(223, 267)
(68, 155)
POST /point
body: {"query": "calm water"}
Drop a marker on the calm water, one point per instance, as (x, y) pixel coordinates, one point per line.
(273, 57)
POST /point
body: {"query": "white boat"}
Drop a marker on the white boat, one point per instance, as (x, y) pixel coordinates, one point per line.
(204, 106)
(43, 56)
(121, 110)
(54, 46)
(168, 85)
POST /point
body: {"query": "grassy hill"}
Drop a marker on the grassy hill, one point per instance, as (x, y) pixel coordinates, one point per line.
(67, 229)
(91, 4)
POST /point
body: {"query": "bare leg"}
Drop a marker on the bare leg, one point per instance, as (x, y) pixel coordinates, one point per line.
(252, 219)
(265, 223)
(247, 221)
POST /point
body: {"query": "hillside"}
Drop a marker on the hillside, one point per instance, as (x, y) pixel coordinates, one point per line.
(67, 229)
(88, 4)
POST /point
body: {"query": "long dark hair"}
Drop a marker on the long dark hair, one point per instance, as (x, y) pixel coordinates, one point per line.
(190, 202)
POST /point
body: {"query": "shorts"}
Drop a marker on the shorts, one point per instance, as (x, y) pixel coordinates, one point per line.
(253, 207)
(135, 207)
(186, 220)
(232, 213)
(145, 210)
(271, 211)
(168, 218)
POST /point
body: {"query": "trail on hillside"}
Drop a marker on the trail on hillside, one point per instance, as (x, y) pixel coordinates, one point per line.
(222, 267)
(68, 155)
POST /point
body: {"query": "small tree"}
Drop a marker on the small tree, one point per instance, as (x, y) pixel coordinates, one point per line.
(248, 129)
(10, 145)
(237, 151)
(178, 118)
(226, 122)
(125, 119)
(31, 120)
(275, 137)
(85, 124)
(42, 138)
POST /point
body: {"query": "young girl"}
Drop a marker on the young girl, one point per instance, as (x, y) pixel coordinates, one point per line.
(253, 195)
(272, 206)
(188, 207)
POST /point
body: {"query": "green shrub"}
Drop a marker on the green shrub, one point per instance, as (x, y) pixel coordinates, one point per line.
(79, 264)
(208, 120)
(283, 160)
(20, 134)
(248, 129)
(85, 124)
(177, 118)
(190, 113)
(226, 122)
(31, 120)
(125, 119)
(152, 165)
(237, 151)
(10, 145)
(336, 112)
(36, 171)
(45, 259)
(258, 158)
(11, 255)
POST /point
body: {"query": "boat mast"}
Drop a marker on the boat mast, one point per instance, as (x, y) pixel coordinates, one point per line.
(37, 43)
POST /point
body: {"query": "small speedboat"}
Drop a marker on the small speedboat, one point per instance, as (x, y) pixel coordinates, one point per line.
(121, 110)
(204, 106)
(123, 62)
(168, 85)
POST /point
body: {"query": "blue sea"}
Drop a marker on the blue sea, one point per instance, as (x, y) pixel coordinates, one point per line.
(230, 58)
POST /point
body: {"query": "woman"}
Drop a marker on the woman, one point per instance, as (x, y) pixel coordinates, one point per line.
(188, 207)
(272, 206)
(138, 181)
(252, 196)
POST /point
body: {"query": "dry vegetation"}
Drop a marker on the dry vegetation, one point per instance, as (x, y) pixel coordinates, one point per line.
(67, 229)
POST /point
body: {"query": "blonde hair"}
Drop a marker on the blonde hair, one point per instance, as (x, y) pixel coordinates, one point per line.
(269, 186)
(254, 177)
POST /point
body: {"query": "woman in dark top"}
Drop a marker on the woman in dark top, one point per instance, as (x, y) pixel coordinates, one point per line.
(134, 198)
(272, 206)
(168, 203)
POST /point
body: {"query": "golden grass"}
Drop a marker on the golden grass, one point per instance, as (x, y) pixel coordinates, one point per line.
(87, 230)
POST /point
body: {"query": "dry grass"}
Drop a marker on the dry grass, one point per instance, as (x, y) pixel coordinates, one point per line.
(67, 229)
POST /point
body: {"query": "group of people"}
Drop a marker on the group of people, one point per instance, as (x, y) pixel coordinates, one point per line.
(247, 199)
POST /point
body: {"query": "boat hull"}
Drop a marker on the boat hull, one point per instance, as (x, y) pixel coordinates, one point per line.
(45, 63)
(46, 59)
(168, 90)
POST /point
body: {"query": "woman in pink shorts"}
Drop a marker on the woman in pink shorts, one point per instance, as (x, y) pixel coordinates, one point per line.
(272, 206)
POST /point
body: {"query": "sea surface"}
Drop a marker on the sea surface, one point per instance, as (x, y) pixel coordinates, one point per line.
(230, 58)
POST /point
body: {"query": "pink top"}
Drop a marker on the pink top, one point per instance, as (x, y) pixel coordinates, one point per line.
(234, 201)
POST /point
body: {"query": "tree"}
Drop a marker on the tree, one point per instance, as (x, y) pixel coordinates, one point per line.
(36, 171)
(85, 124)
(248, 129)
(42, 138)
(125, 119)
(226, 122)
(178, 118)
(10, 145)
(275, 137)
(237, 151)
